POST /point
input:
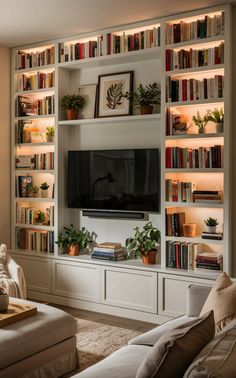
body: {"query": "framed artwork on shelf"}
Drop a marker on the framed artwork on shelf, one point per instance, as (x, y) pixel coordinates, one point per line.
(89, 92)
(111, 88)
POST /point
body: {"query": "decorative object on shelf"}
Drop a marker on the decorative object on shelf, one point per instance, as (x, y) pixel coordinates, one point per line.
(4, 300)
(145, 97)
(74, 240)
(72, 103)
(44, 190)
(179, 126)
(144, 243)
(217, 116)
(40, 217)
(32, 190)
(211, 224)
(111, 101)
(201, 122)
(189, 229)
(89, 93)
(50, 133)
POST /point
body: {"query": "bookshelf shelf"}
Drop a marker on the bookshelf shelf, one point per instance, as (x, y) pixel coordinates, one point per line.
(213, 69)
(32, 199)
(196, 102)
(193, 204)
(194, 170)
(35, 171)
(35, 226)
(195, 136)
(29, 117)
(35, 69)
(36, 91)
(197, 43)
(41, 144)
(196, 239)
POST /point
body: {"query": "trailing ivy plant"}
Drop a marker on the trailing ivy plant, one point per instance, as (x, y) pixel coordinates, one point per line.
(143, 241)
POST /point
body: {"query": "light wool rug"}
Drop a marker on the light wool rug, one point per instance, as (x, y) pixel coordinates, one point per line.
(96, 341)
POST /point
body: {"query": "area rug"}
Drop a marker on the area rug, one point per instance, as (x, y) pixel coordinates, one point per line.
(96, 341)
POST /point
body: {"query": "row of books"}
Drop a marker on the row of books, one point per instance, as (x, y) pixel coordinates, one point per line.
(40, 80)
(174, 224)
(80, 50)
(26, 106)
(193, 89)
(28, 214)
(108, 251)
(205, 27)
(121, 43)
(209, 261)
(181, 59)
(212, 235)
(179, 191)
(35, 59)
(27, 132)
(202, 157)
(181, 255)
(176, 123)
(35, 161)
(35, 240)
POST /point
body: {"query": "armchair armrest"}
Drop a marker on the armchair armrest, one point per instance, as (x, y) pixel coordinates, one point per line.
(196, 297)
(17, 274)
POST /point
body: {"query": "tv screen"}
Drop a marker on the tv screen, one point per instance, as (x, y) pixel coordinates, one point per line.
(124, 180)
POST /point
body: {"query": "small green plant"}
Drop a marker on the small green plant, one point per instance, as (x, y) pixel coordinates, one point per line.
(216, 115)
(40, 217)
(72, 102)
(71, 236)
(145, 96)
(44, 186)
(143, 241)
(2, 291)
(199, 121)
(50, 131)
(211, 222)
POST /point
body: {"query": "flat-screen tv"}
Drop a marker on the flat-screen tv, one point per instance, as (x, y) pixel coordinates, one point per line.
(122, 180)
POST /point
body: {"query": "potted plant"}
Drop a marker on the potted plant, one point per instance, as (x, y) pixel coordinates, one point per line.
(201, 122)
(72, 103)
(217, 116)
(32, 190)
(40, 217)
(211, 224)
(145, 97)
(144, 243)
(74, 240)
(44, 189)
(4, 300)
(50, 133)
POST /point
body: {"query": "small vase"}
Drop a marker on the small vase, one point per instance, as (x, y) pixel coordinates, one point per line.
(149, 257)
(44, 193)
(220, 127)
(4, 302)
(71, 114)
(73, 250)
(146, 109)
(201, 130)
(211, 229)
(50, 138)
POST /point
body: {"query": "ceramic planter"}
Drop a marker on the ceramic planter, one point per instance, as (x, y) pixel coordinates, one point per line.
(149, 257)
(220, 127)
(44, 193)
(211, 229)
(50, 138)
(71, 114)
(146, 109)
(4, 301)
(73, 250)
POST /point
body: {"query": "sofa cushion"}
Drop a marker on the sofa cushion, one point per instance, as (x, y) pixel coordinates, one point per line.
(26, 337)
(123, 363)
(218, 357)
(222, 300)
(176, 349)
(150, 338)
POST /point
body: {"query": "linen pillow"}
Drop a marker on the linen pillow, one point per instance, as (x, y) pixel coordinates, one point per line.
(175, 350)
(222, 300)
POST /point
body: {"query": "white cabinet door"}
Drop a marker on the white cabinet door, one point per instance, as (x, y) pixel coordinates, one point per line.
(131, 289)
(76, 280)
(172, 293)
(37, 271)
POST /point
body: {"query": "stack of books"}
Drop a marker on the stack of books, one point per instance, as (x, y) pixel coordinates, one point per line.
(210, 261)
(108, 251)
(210, 196)
(212, 235)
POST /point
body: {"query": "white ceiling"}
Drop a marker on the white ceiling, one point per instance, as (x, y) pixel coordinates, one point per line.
(28, 21)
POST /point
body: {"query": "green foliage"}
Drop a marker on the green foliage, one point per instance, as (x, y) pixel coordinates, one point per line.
(32, 188)
(72, 102)
(143, 241)
(145, 96)
(44, 186)
(40, 217)
(2, 291)
(114, 95)
(50, 131)
(199, 121)
(211, 222)
(217, 115)
(72, 236)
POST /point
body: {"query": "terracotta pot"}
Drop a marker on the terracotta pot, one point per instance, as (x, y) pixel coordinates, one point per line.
(201, 130)
(149, 257)
(71, 114)
(73, 250)
(146, 109)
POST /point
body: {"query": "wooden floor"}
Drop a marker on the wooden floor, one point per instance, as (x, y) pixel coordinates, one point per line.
(107, 319)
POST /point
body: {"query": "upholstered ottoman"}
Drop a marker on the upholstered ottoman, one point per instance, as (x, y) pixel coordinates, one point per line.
(43, 345)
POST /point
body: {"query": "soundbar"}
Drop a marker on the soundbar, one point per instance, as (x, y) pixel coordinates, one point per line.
(112, 214)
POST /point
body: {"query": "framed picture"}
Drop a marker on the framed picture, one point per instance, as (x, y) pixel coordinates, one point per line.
(111, 87)
(89, 92)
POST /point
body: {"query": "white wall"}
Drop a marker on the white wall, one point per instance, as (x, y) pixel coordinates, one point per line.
(5, 190)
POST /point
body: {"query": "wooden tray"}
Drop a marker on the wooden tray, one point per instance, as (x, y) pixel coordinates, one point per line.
(16, 312)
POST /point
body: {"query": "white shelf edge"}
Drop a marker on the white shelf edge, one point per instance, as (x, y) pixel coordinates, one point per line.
(32, 69)
(195, 102)
(193, 240)
(35, 91)
(34, 171)
(35, 226)
(195, 136)
(195, 42)
(40, 144)
(29, 252)
(34, 199)
(148, 117)
(198, 170)
(24, 118)
(196, 70)
(194, 204)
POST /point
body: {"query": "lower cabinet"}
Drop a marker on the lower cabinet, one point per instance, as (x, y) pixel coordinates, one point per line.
(129, 288)
(172, 293)
(37, 271)
(76, 280)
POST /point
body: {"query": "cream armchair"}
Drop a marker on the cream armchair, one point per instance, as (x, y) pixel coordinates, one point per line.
(17, 275)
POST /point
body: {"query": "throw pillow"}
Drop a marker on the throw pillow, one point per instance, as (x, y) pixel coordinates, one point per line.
(222, 300)
(175, 350)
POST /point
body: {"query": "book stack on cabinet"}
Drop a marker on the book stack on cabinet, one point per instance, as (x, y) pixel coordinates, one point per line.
(108, 251)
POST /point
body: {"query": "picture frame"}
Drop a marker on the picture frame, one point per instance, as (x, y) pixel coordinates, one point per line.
(89, 92)
(110, 89)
